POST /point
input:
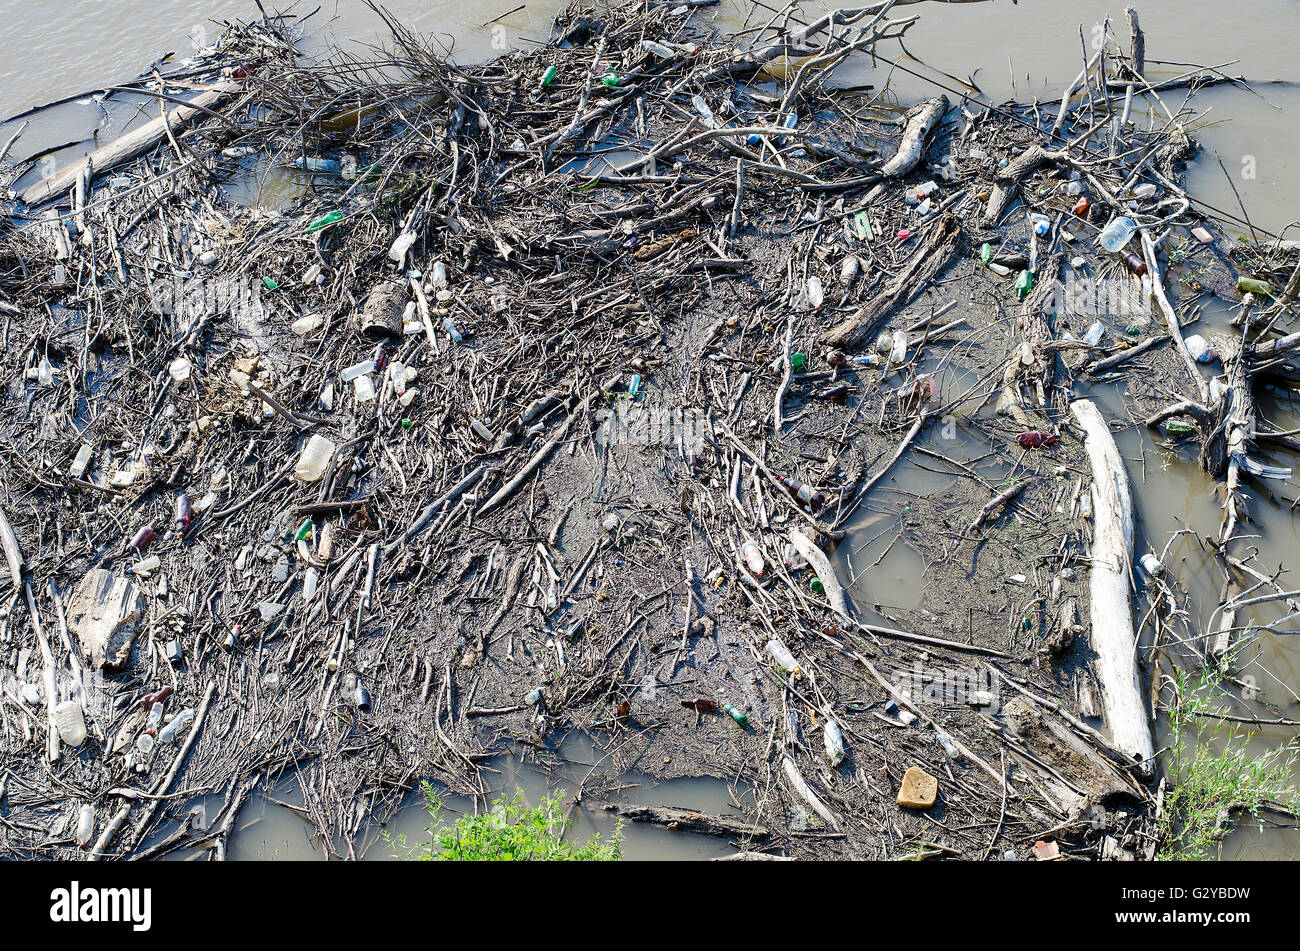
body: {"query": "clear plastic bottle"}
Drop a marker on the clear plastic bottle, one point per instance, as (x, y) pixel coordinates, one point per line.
(784, 659)
(173, 729)
(1116, 235)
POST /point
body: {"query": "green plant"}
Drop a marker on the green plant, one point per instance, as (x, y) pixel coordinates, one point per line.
(512, 831)
(1212, 774)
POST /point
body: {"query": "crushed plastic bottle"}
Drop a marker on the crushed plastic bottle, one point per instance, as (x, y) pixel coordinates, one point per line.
(816, 293)
(169, 733)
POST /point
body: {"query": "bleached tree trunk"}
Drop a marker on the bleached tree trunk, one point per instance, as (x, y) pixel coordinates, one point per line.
(1112, 634)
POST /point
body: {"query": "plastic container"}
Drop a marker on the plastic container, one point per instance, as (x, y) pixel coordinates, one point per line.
(70, 723)
(1041, 224)
(1116, 235)
(1094, 334)
(315, 459)
(753, 557)
(898, 349)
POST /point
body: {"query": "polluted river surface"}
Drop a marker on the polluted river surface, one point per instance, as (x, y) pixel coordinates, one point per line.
(1250, 140)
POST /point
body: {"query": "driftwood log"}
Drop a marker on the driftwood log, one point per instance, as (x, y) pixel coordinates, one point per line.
(134, 143)
(921, 121)
(1111, 628)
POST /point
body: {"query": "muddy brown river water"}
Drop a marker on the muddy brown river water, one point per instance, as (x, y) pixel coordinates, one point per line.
(1250, 140)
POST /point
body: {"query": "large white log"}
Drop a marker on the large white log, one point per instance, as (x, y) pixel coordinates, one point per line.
(1112, 633)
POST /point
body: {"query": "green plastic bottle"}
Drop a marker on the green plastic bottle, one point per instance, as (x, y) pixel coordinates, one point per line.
(736, 714)
(986, 252)
(1024, 284)
(324, 221)
(548, 77)
(1249, 285)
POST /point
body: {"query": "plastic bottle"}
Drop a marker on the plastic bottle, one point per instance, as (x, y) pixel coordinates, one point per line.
(141, 539)
(364, 368)
(145, 567)
(1134, 263)
(816, 294)
(534, 696)
(180, 369)
(323, 222)
(784, 659)
(85, 825)
(1116, 235)
(310, 579)
(70, 723)
(401, 244)
(315, 459)
(805, 493)
(548, 77)
(702, 107)
(155, 717)
(753, 557)
(949, 748)
(898, 350)
(1024, 284)
(1094, 334)
(184, 515)
(701, 705)
(792, 558)
(833, 737)
(1041, 224)
(736, 714)
(168, 733)
(313, 164)
(306, 324)
(1249, 285)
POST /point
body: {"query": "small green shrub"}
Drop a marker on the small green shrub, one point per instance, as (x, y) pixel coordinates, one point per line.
(512, 831)
(1205, 786)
